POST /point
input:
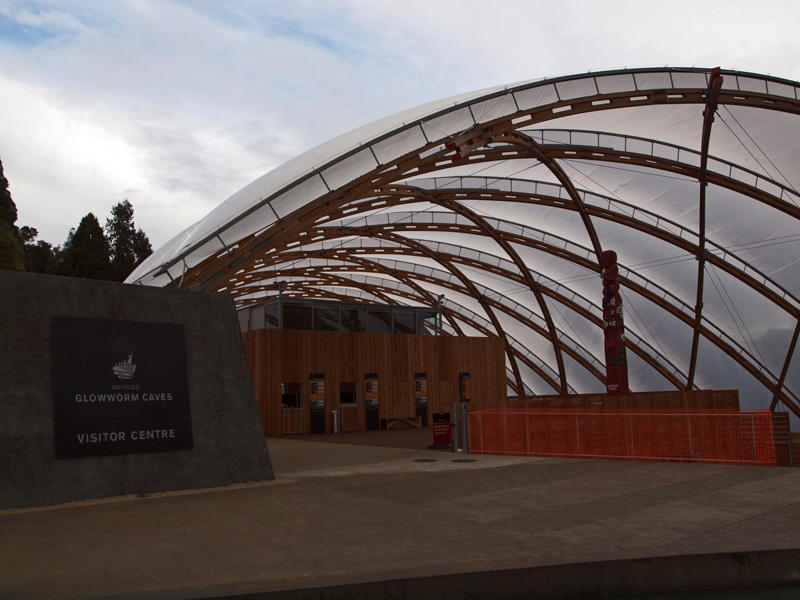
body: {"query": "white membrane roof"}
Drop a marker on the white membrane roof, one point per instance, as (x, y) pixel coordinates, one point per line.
(501, 200)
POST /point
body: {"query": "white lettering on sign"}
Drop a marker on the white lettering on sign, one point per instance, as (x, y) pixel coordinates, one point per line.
(161, 397)
(119, 397)
(153, 434)
(100, 437)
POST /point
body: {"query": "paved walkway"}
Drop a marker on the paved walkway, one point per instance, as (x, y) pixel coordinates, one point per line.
(344, 513)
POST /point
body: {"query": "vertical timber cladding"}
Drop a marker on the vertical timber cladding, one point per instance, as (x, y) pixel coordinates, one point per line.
(279, 356)
(119, 387)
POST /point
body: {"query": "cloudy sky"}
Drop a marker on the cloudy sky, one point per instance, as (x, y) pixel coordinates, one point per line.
(175, 105)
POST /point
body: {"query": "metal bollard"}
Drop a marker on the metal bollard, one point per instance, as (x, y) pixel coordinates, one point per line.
(336, 421)
(464, 428)
(456, 428)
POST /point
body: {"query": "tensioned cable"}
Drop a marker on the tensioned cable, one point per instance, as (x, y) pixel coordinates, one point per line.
(597, 183)
(786, 239)
(738, 139)
(593, 180)
(755, 143)
(723, 294)
(732, 304)
(565, 321)
(657, 262)
(663, 262)
(607, 166)
(725, 304)
(640, 322)
(660, 262)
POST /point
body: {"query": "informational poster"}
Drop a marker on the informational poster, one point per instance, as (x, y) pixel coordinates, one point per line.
(464, 387)
(119, 387)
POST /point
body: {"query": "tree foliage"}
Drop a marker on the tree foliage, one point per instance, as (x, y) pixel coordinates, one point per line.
(8, 210)
(89, 251)
(40, 257)
(129, 246)
(11, 255)
(86, 252)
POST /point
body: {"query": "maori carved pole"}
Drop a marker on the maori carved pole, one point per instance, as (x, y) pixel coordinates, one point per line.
(616, 361)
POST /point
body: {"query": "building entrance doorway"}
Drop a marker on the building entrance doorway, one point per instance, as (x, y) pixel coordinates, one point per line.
(348, 404)
(292, 401)
(317, 403)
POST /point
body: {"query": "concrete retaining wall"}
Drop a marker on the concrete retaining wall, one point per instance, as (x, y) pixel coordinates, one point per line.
(229, 444)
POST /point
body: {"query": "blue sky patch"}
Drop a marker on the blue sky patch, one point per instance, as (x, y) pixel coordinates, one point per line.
(13, 32)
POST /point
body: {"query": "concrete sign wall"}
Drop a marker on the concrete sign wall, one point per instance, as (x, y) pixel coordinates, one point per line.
(110, 389)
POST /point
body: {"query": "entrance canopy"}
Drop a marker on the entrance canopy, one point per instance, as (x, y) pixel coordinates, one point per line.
(498, 204)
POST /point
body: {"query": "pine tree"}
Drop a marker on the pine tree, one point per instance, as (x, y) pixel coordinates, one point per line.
(86, 251)
(11, 255)
(129, 246)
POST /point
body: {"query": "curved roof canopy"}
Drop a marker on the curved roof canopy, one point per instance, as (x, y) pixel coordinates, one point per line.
(502, 200)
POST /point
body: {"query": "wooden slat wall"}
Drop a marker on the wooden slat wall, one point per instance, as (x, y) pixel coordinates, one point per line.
(277, 356)
(796, 449)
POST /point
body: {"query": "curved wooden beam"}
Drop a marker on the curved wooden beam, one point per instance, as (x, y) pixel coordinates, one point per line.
(490, 232)
(774, 292)
(737, 353)
(649, 357)
(712, 97)
(594, 369)
(208, 274)
(471, 319)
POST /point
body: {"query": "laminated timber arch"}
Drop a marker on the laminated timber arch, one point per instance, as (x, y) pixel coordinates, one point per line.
(507, 196)
(565, 249)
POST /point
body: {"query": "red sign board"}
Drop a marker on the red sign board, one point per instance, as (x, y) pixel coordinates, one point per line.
(442, 434)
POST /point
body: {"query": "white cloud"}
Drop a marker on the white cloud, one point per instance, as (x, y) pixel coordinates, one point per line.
(60, 162)
(176, 105)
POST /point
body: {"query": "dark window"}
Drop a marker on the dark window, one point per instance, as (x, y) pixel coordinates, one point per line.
(297, 317)
(404, 322)
(256, 318)
(379, 320)
(347, 393)
(291, 395)
(326, 319)
(427, 324)
(272, 315)
(353, 319)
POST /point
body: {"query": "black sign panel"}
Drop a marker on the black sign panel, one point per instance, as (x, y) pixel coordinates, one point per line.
(464, 387)
(119, 387)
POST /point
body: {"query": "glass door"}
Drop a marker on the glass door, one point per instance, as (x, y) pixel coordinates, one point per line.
(292, 403)
(317, 403)
(348, 404)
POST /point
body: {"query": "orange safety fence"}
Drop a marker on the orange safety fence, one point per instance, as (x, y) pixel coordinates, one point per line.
(711, 436)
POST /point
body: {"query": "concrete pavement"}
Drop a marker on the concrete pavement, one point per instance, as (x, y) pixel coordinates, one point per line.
(343, 514)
